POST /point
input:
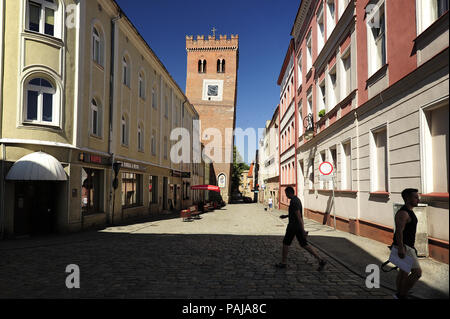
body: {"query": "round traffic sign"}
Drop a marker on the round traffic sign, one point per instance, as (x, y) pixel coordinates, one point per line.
(326, 168)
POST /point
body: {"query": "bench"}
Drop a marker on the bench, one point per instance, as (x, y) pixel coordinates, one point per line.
(194, 212)
(186, 215)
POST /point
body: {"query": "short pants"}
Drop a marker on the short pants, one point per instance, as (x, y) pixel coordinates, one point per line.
(270, 205)
(294, 231)
(409, 251)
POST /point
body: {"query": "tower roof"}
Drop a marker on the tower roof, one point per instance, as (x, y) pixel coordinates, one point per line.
(212, 43)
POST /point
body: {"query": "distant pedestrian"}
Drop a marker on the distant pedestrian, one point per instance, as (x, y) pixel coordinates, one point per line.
(296, 228)
(404, 240)
(270, 201)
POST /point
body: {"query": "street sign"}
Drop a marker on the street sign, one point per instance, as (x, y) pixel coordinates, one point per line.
(326, 178)
(326, 168)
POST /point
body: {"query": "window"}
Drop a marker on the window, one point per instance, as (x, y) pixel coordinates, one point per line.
(334, 162)
(140, 138)
(201, 66)
(342, 6)
(91, 196)
(322, 158)
(220, 66)
(331, 21)
(435, 149)
(154, 98)
(97, 47)
(131, 189)
(308, 53)
(125, 72)
(301, 119)
(153, 189)
(96, 118)
(311, 174)
(153, 143)
(379, 161)
(332, 88)
(320, 29)
(41, 99)
(321, 105)
(41, 17)
(142, 85)
(301, 173)
(166, 147)
(299, 70)
(125, 130)
(429, 11)
(166, 106)
(376, 39)
(346, 76)
(346, 171)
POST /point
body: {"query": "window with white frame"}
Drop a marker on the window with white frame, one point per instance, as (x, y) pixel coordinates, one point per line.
(300, 116)
(320, 29)
(311, 173)
(309, 101)
(125, 71)
(140, 137)
(321, 102)
(41, 102)
(97, 47)
(346, 167)
(332, 88)
(376, 38)
(322, 158)
(141, 85)
(428, 11)
(379, 160)
(346, 74)
(333, 160)
(331, 16)
(299, 70)
(124, 130)
(96, 118)
(43, 17)
(342, 5)
(308, 52)
(435, 166)
(301, 173)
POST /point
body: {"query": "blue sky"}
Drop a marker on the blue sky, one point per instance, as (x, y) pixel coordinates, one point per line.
(263, 27)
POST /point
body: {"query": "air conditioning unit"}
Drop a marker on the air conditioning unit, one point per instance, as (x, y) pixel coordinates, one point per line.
(421, 243)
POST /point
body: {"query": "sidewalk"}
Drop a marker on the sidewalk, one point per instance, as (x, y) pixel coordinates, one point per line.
(356, 252)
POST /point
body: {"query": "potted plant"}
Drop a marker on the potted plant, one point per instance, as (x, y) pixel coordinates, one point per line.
(322, 113)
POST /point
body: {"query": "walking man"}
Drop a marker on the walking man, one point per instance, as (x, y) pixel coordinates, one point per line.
(404, 239)
(296, 228)
(270, 202)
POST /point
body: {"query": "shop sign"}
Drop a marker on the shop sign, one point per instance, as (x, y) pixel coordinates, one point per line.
(95, 159)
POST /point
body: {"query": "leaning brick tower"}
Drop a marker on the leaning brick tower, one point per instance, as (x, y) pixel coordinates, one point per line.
(211, 86)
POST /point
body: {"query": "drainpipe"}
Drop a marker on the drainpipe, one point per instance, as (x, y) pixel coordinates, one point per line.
(3, 146)
(111, 108)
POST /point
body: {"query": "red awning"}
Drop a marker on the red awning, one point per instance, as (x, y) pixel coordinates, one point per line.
(206, 188)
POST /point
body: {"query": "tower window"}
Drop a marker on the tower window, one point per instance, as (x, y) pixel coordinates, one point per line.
(201, 66)
(221, 66)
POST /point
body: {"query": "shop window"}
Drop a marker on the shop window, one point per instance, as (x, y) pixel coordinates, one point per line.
(131, 189)
(91, 190)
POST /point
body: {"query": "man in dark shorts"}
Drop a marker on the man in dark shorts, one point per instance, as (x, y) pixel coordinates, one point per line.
(404, 240)
(296, 228)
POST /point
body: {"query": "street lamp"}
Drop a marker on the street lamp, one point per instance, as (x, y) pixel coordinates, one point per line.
(308, 122)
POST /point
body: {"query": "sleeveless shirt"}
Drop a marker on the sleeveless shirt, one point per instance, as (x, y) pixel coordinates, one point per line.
(409, 232)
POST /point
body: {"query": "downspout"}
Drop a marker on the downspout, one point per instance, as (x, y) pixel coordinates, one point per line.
(111, 108)
(3, 146)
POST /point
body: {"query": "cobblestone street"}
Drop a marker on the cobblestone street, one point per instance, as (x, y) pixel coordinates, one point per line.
(229, 253)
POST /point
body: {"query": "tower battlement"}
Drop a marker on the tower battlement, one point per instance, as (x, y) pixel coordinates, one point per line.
(212, 42)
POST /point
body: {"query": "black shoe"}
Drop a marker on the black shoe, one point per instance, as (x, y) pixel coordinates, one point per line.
(322, 264)
(280, 265)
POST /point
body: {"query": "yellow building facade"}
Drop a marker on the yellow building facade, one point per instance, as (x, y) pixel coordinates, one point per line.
(87, 111)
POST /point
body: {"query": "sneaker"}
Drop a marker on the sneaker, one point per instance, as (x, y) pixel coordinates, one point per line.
(322, 264)
(280, 265)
